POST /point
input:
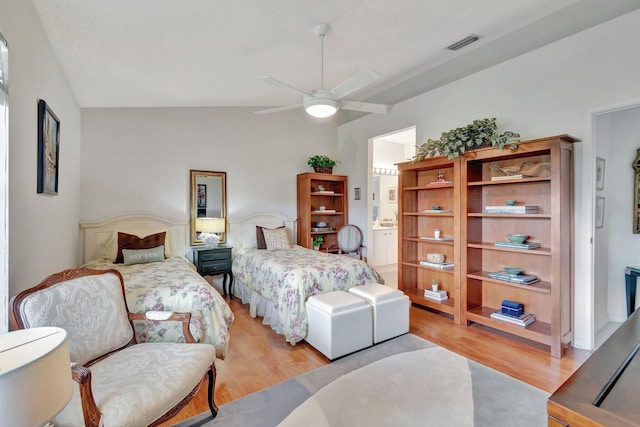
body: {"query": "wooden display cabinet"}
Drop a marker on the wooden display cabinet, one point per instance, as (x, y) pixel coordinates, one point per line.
(316, 190)
(473, 295)
(549, 163)
(420, 191)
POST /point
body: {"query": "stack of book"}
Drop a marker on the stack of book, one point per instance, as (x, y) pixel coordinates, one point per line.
(526, 245)
(441, 183)
(523, 279)
(437, 296)
(436, 211)
(504, 209)
(509, 177)
(439, 239)
(523, 320)
(441, 266)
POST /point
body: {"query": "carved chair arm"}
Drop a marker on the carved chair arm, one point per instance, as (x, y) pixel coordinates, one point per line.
(82, 375)
(159, 316)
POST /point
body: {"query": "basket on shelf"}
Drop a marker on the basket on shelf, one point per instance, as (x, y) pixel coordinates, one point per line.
(319, 169)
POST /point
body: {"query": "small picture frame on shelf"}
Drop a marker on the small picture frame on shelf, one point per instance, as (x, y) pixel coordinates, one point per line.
(599, 212)
(599, 173)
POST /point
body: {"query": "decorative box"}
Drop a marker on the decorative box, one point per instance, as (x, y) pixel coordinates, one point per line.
(512, 308)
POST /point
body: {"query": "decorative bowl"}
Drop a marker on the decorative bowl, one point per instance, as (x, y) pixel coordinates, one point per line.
(510, 202)
(436, 207)
(517, 238)
(321, 224)
(512, 271)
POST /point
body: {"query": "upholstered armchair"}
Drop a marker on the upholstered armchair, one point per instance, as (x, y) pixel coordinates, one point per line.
(119, 382)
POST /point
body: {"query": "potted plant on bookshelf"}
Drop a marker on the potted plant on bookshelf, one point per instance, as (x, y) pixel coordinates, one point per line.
(317, 242)
(480, 133)
(321, 164)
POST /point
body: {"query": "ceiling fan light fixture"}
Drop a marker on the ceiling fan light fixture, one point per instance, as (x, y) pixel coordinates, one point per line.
(320, 106)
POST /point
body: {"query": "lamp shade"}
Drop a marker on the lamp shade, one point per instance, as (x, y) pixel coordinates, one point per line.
(211, 225)
(322, 104)
(35, 376)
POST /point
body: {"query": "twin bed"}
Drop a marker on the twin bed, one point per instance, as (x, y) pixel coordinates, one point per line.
(170, 285)
(274, 282)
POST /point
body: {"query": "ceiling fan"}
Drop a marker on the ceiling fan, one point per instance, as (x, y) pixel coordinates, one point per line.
(324, 103)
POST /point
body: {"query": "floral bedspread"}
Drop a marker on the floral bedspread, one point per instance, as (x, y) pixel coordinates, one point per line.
(174, 285)
(288, 277)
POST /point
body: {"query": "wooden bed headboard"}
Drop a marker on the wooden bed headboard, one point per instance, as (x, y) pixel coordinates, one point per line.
(242, 233)
(98, 234)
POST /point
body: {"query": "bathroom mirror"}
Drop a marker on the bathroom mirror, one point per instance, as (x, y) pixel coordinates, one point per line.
(208, 200)
(636, 206)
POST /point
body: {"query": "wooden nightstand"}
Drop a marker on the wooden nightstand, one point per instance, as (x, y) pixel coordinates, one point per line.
(213, 262)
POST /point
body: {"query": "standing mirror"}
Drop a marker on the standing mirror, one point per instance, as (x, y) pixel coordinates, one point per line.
(208, 200)
(636, 188)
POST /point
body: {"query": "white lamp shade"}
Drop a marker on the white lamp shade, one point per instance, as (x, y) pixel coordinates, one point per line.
(35, 376)
(322, 104)
(210, 225)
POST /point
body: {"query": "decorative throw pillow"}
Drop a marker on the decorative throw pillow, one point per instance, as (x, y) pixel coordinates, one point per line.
(130, 241)
(260, 236)
(276, 238)
(143, 256)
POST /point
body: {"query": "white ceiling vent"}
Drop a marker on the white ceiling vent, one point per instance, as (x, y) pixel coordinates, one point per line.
(464, 42)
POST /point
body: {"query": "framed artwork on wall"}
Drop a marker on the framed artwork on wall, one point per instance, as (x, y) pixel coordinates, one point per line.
(599, 212)
(48, 149)
(392, 194)
(599, 173)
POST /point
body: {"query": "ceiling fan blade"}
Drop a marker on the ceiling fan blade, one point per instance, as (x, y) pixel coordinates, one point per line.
(278, 109)
(356, 81)
(366, 107)
(283, 85)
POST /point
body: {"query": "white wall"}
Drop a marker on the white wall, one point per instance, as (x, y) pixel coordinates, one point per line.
(43, 230)
(617, 140)
(549, 91)
(137, 160)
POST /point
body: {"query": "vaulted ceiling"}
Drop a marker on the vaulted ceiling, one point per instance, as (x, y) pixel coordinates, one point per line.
(167, 53)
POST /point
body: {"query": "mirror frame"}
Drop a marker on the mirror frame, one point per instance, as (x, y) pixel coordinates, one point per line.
(223, 210)
(636, 177)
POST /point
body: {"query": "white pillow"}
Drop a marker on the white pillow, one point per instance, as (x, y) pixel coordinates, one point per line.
(110, 247)
(276, 238)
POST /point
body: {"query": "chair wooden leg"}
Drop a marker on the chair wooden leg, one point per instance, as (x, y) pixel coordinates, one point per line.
(211, 389)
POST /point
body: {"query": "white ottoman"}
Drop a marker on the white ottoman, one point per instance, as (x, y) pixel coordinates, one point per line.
(339, 323)
(390, 310)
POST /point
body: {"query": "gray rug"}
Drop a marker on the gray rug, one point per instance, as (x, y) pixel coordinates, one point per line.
(406, 381)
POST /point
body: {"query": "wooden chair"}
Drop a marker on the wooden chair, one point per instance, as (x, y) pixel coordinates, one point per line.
(120, 382)
(349, 241)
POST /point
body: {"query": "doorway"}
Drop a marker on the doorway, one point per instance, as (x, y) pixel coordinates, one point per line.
(382, 232)
(616, 144)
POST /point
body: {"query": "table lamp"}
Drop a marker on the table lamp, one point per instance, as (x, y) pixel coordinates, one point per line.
(208, 228)
(35, 376)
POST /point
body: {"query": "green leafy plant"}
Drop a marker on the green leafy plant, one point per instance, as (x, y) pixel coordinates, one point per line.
(318, 240)
(321, 162)
(480, 133)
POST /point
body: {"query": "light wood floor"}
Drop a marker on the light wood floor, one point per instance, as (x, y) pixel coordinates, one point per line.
(258, 358)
